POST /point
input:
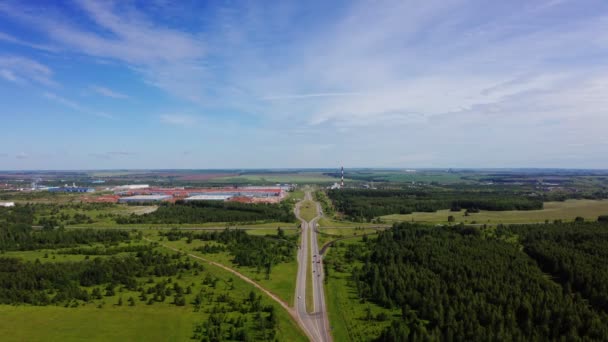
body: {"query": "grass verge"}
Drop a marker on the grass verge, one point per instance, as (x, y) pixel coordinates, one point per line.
(308, 210)
(310, 307)
(348, 315)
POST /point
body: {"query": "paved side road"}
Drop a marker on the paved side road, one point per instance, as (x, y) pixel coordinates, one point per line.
(316, 323)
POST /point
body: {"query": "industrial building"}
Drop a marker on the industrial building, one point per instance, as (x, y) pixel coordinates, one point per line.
(144, 198)
(7, 204)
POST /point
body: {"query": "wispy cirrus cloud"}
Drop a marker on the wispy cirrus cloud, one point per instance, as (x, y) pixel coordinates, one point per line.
(75, 105)
(4, 37)
(108, 92)
(165, 57)
(23, 70)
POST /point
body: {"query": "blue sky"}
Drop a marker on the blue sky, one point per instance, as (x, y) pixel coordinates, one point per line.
(254, 84)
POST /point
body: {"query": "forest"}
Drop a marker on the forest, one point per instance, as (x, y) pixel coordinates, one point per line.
(455, 283)
(575, 254)
(362, 204)
(212, 211)
(51, 283)
(16, 233)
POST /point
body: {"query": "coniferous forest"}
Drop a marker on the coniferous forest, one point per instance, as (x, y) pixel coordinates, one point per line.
(458, 283)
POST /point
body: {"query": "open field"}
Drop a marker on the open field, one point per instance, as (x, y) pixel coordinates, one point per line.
(567, 211)
(282, 278)
(112, 323)
(327, 222)
(105, 319)
(347, 314)
(328, 234)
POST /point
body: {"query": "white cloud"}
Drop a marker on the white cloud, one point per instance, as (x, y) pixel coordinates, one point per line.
(108, 92)
(22, 70)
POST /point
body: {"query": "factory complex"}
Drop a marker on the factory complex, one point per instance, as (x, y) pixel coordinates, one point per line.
(248, 194)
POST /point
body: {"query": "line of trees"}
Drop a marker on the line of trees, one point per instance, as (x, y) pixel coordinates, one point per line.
(454, 284)
(212, 211)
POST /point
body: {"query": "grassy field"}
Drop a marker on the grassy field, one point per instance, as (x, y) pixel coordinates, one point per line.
(308, 210)
(347, 315)
(282, 277)
(328, 222)
(112, 323)
(329, 234)
(103, 320)
(566, 211)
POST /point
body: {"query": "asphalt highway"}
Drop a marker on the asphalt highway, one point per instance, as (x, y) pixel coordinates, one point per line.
(316, 323)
